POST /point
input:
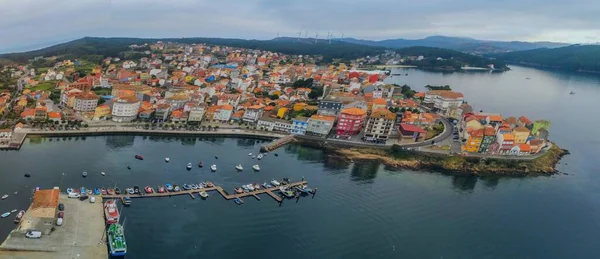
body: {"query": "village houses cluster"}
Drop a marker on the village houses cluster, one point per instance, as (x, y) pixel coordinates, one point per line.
(193, 84)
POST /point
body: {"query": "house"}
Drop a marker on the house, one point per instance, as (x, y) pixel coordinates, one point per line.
(176, 115)
(43, 210)
(380, 125)
(524, 149)
(320, 125)
(444, 102)
(525, 122)
(177, 101)
(299, 125)
(506, 142)
(162, 111)
(511, 121)
(494, 120)
(410, 132)
(536, 145)
(379, 103)
(351, 121)
(85, 102)
(253, 113)
(40, 114)
(521, 134)
(196, 112)
(274, 124)
(330, 107)
(474, 140)
(54, 116)
(489, 138)
(223, 113)
(125, 108)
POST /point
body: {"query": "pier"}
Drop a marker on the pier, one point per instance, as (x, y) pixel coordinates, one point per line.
(218, 189)
(275, 144)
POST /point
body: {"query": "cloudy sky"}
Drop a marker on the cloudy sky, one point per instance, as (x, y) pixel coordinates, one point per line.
(30, 24)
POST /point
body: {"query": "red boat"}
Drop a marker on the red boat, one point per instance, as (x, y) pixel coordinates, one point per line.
(139, 157)
(209, 184)
(239, 190)
(111, 212)
(103, 191)
(148, 189)
(110, 191)
(200, 164)
(161, 189)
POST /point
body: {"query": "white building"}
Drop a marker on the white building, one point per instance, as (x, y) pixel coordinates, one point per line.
(253, 113)
(196, 113)
(444, 102)
(272, 124)
(85, 102)
(125, 108)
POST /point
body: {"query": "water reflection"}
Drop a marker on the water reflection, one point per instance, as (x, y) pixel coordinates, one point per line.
(364, 171)
(119, 141)
(246, 142)
(464, 183)
(304, 153)
(188, 141)
(490, 182)
(336, 163)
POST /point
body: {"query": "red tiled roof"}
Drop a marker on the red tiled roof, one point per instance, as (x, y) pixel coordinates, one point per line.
(412, 128)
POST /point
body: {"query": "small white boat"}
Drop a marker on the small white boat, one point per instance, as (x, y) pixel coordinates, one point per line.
(84, 174)
(4, 196)
(260, 156)
(189, 166)
(239, 167)
(102, 173)
(253, 157)
(203, 194)
(167, 159)
(275, 183)
(256, 167)
(249, 154)
(213, 168)
(13, 211)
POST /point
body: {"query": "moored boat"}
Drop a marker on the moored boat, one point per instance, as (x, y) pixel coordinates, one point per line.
(239, 167)
(256, 186)
(286, 192)
(5, 214)
(303, 189)
(116, 240)
(4, 196)
(148, 189)
(275, 182)
(103, 191)
(19, 216)
(259, 157)
(169, 187)
(249, 154)
(110, 191)
(203, 184)
(69, 190)
(102, 173)
(186, 186)
(209, 184)
(13, 211)
(97, 191)
(239, 190)
(200, 164)
(138, 157)
(111, 212)
(213, 168)
(176, 188)
(126, 200)
(256, 168)
(167, 159)
(84, 174)
(136, 189)
(130, 190)
(238, 201)
(161, 189)
(82, 190)
(189, 166)
(203, 194)
(117, 190)
(194, 186)
(267, 185)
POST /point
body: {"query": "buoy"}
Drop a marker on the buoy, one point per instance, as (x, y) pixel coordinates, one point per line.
(27, 175)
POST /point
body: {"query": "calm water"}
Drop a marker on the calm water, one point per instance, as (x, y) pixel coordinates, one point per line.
(360, 210)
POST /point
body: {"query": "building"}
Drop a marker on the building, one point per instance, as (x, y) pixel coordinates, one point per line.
(474, 140)
(444, 102)
(521, 135)
(5, 136)
(320, 125)
(410, 132)
(85, 102)
(82, 84)
(125, 108)
(162, 111)
(380, 124)
(351, 122)
(197, 113)
(299, 125)
(253, 113)
(273, 124)
(102, 112)
(489, 138)
(506, 142)
(329, 107)
(536, 145)
(43, 210)
(223, 113)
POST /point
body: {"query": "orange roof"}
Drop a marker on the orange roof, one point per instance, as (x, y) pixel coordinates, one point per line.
(383, 113)
(269, 108)
(521, 129)
(477, 133)
(28, 112)
(489, 131)
(238, 114)
(495, 118)
(525, 120)
(525, 148)
(212, 108)
(54, 115)
(256, 107)
(323, 117)
(227, 107)
(508, 136)
(176, 113)
(420, 95)
(354, 111)
(380, 101)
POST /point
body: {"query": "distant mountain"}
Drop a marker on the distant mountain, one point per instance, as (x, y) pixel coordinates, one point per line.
(574, 57)
(468, 45)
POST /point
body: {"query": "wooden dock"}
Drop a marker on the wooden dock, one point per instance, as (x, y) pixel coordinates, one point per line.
(219, 189)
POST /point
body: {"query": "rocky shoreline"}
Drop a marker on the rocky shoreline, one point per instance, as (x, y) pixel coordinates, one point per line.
(543, 165)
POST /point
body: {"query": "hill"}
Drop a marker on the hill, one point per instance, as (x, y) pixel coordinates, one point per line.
(468, 45)
(575, 57)
(446, 59)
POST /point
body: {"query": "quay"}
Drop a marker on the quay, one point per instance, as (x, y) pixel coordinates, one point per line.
(277, 143)
(219, 189)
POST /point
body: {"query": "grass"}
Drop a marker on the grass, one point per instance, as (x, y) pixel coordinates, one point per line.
(102, 91)
(44, 86)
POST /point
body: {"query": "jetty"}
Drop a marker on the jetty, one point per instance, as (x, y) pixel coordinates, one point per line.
(275, 144)
(219, 189)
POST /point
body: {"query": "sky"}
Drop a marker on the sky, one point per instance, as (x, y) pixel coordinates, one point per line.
(32, 24)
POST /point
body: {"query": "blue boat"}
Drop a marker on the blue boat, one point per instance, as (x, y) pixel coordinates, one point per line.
(169, 187)
(238, 201)
(186, 186)
(97, 191)
(203, 184)
(83, 190)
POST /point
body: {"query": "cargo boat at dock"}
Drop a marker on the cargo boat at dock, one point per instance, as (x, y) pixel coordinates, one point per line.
(116, 240)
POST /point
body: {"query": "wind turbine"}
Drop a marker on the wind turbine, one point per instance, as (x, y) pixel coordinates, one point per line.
(317, 36)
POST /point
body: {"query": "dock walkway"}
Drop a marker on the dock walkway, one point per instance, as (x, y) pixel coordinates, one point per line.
(219, 189)
(275, 144)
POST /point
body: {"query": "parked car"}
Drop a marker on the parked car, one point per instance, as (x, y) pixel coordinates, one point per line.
(33, 234)
(61, 207)
(61, 214)
(83, 197)
(59, 221)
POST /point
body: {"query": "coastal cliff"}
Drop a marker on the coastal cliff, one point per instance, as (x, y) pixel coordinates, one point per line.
(543, 165)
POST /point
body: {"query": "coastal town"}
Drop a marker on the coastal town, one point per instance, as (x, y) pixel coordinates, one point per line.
(176, 87)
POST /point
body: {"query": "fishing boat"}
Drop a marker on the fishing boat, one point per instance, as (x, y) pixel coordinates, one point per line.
(176, 188)
(128, 167)
(138, 157)
(4, 196)
(136, 189)
(90, 192)
(161, 189)
(84, 174)
(203, 194)
(245, 187)
(103, 191)
(238, 201)
(111, 212)
(116, 240)
(250, 187)
(286, 192)
(148, 189)
(249, 154)
(256, 186)
(239, 167)
(239, 190)
(303, 189)
(275, 182)
(213, 168)
(126, 200)
(267, 185)
(256, 168)
(285, 181)
(200, 164)
(253, 157)
(19, 216)
(209, 184)
(130, 190)
(102, 173)
(169, 187)
(167, 159)
(117, 190)
(111, 191)
(189, 166)
(186, 186)
(97, 191)
(203, 184)
(5, 214)
(69, 190)
(13, 211)
(82, 190)
(259, 157)
(27, 175)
